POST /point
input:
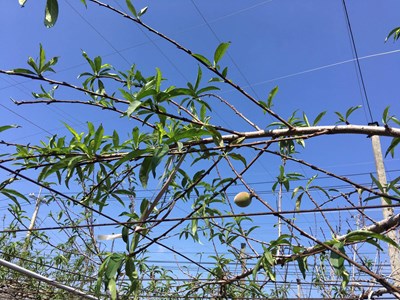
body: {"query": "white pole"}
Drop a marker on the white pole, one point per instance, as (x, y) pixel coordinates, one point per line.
(49, 281)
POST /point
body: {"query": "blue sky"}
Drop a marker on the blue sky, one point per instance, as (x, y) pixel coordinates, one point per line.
(301, 46)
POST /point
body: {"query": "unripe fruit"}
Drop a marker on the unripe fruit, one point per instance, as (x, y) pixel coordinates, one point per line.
(242, 199)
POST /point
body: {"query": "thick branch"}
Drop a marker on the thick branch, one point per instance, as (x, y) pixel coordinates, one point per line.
(379, 227)
(189, 52)
(322, 130)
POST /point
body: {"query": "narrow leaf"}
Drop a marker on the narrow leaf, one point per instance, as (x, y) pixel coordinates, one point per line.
(142, 11)
(202, 59)
(392, 146)
(302, 262)
(133, 106)
(6, 127)
(144, 171)
(21, 70)
(395, 32)
(220, 52)
(131, 8)
(271, 96)
(318, 118)
(51, 13)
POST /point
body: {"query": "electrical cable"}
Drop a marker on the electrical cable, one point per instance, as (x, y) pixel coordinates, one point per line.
(357, 60)
(26, 119)
(102, 214)
(98, 32)
(257, 214)
(323, 67)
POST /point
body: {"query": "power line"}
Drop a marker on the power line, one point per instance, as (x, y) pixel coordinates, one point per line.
(227, 53)
(98, 32)
(323, 67)
(156, 46)
(47, 280)
(357, 60)
(26, 119)
(257, 214)
(253, 183)
(103, 215)
(48, 266)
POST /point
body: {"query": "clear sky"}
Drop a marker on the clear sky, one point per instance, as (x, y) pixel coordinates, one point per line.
(303, 47)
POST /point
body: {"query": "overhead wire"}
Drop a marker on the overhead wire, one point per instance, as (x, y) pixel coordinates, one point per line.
(324, 67)
(254, 214)
(98, 32)
(100, 214)
(26, 119)
(357, 60)
(227, 53)
(144, 43)
(370, 111)
(233, 61)
(69, 192)
(170, 61)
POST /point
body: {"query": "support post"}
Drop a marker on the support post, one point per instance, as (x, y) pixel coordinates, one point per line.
(394, 253)
(33, 221)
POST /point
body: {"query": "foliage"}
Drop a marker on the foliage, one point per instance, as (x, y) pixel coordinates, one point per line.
(175, 143)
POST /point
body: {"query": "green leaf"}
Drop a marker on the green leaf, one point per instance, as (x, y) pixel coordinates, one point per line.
(42, 57)
(75, 134)
(98, 138)
(97, 64)
(392, 146)
(144, 205)
(385, 115)
(125, 236)
(351, 110)
(131, 8)
(24, 71)
(378, 184)
(202, 59)
(298, 201)
(306, 120)
(336, 260)
(207, 89)
(216, 79)
(115, 138)
(237, 156)
(144, 171)
(302, 262)
(113, 262)
(190, 134)
(194, 226)
(198, 79)
(130, 156)
(133, 106)
(142, 11)
(158, 80)
(112, 287)
(216, 136)
(51, 13)
(130, 267)
(341, 117)
(395, 32)
(6, 127)
(13, 195)
(225, 72)
(318, 118)
(32, 63)
(220, 52)
(361, 235)
(271, 96)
